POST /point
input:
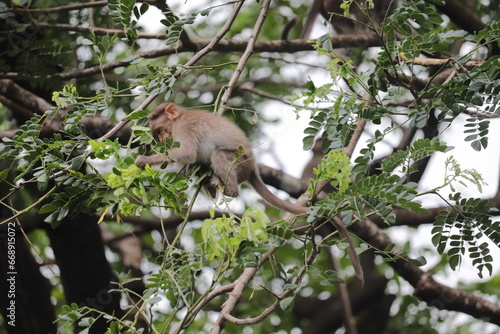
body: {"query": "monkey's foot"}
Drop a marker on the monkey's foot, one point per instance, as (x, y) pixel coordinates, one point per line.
(215, 181)
(211, 190)
(230, 191)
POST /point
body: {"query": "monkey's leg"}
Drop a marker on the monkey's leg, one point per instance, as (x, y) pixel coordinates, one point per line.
(225, 173)
(212, 185)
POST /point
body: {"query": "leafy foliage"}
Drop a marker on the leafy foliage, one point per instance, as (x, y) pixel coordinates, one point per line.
(418, 12)
(222, 237)
(121, 12)
(462, 229)
(420, 149)
(335, 166)
(132, 194)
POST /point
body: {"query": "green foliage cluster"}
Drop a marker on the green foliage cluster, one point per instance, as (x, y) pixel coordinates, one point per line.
(335, 166)
(463, 231)
(222, 236)
(475, 92)
(121, 12)
(418, 12)
(174, 25)
(135, 189)
(406, 159)
(380, 193)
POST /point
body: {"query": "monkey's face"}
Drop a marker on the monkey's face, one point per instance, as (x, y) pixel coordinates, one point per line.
(161, 128)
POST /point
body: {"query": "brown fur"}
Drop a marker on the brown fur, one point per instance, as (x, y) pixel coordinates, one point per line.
(215, 141)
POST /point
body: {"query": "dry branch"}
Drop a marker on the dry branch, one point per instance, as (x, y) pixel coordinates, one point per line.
(437, 61)
(244, 58)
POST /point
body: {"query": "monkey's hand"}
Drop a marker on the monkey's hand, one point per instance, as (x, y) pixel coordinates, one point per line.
(155, 159)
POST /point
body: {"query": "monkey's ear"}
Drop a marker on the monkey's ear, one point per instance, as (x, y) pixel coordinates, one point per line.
(171, 111)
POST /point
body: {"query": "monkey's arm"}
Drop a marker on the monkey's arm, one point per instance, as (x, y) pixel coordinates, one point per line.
(155, 159)
(189, 151)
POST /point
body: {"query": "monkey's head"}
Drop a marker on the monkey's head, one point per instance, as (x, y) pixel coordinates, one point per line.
(161, 119)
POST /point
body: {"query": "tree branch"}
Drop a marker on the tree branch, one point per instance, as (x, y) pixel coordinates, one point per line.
(461, 16)
(191, 62)
(239, 286)
(244, 58)
(276, 304)
(437, 61)
(223, 45)
(426, 288)
(65, 8)
(208, 298)
(23, 96)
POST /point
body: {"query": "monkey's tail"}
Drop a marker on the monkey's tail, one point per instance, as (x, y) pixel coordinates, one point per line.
(261, 188)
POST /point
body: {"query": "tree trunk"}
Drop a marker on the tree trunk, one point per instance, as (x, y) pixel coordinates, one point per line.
(85, 273)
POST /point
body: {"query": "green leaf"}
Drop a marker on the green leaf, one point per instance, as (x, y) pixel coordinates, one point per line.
(137, 115)
(420, 261)
(286, 303)
(48, 208)
(310, 86)
(307, 143)
(87, 42)
(144, 8)
(455, 261)
(476, 145)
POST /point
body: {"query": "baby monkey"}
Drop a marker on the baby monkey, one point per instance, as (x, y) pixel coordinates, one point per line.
(211, 140)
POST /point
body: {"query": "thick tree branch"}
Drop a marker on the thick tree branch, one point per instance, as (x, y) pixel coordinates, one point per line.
(426, 288)
(65, 8)
(25, 104)
(461, 16)
(23, 97)
(280, 180)
(224, 45)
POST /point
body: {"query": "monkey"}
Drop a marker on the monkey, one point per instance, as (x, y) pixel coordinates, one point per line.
(288, 27)
(214, 141)
(210, 139)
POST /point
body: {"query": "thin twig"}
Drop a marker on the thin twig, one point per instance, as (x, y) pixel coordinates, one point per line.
(244, 58)
(261, 317)
(191, 62)
(349, 323)
(23, 211)
(437, 61)
(217, 37)
(239, 286)
(266, 95)
(201, 304)
(33, 246)
(125, 121)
